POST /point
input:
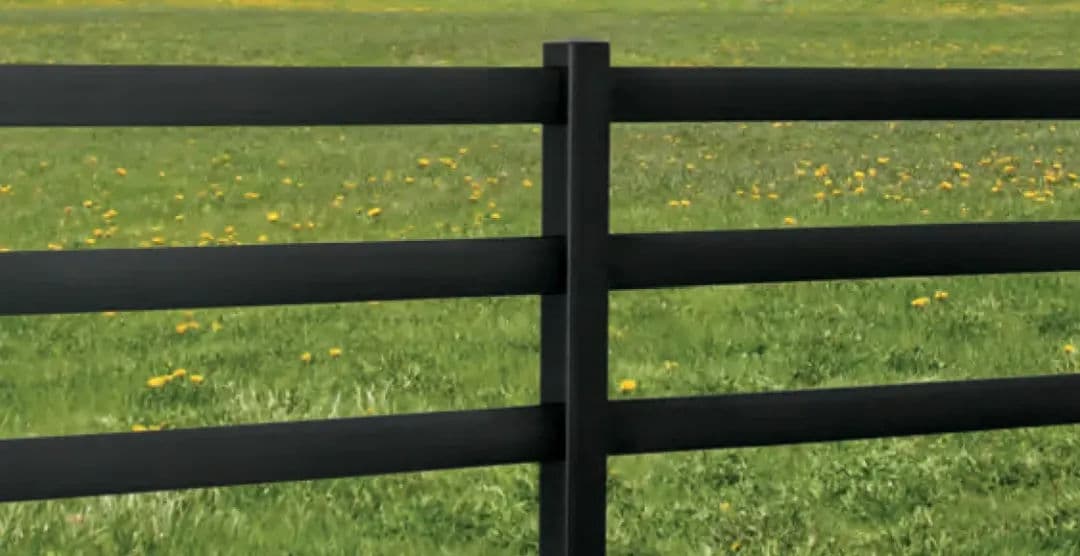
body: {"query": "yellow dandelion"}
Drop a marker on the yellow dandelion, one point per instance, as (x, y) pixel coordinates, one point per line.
(157, 240)
(109, 314)
(496, 216)
(182, 328)
(263, 238)
(55, 247)
(945, 186)
(820, 195)
(409, 179)
(773, 196)
(957, 166)
(725, 506)
(281, 163)
(374, 212)
(305, 357)
(526, 183)
(121, 172)
(423, 162)
(297, 226)
(251, 195)
(670, 365)
(138, 428)
(156, 427)
(673, 203)
(216, 326)
(627, 385)
(1069, 349)
(286, 181)
(941, 295)
(882, 160)
(822, 171)
(790, 221)
(178, 373)
(273, 216)
(197, 379)
(860, 190)
(88, 203)
(334, 352)
(920, 302)
(157, 381)
(684, 202)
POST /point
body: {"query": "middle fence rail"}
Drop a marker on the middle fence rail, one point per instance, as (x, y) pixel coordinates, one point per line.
(572, 266)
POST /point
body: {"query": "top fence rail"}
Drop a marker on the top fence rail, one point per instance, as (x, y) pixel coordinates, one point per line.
(74, 95)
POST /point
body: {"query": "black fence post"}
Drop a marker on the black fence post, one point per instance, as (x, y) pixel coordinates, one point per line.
(574, 325)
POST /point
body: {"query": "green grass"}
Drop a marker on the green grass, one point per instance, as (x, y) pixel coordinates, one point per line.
(1007, 492)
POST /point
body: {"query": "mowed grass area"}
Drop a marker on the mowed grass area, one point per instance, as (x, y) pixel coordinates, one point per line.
(1007, 492)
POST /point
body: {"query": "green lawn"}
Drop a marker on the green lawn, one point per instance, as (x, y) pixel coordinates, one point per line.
(1009, 492)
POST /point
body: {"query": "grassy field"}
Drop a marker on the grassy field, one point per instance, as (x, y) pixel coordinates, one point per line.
(1008, 492)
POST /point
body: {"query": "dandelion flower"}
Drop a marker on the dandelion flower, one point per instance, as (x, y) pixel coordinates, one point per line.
(182, 328)
(790, 221)
(273, 216)
(109, 314)
(197, 379)
(305, 357)
(138, 428)
(1069, 349)
(627, 385)
(178, 373)
(157, 381)
(423, 162)
(920, 302)
(335, 352)
(121, 172)
(526, 183)
(941, 295)
(374, 212)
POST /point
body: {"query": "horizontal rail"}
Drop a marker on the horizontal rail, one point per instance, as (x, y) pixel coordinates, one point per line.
(761, 256)
(90, 465)
(40, 282)
(87, 465)
(769, 94)
(65, 95)
(829, 415)
(37, 282)
(101, 95)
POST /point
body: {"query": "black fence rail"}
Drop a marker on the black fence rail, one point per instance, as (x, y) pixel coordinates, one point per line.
(576, 95)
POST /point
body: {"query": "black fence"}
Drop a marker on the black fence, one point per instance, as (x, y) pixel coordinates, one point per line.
(576, 95)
